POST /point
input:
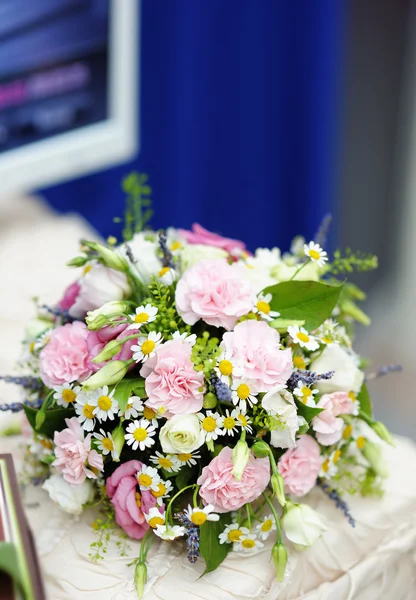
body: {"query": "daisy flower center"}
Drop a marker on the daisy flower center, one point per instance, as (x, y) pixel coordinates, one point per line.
(209, 424)
(303, 337)
(325, 465)
(87, 269)
(234, 535)
(337, 456)
(140, 434)
(248, 543)
(267, 525)
(184, 457)
(104, 402)
(347, 432)
(68, 396)
(141, 317)
(149, 413)
(243, 420)
(161, 491)
(165, 463)
(314, 254)
(144, 480)
(88, 411)
(225, 367)
(299, 362)
(198, 517)
(138, 499)
(243, 391)
(32, 347)
(176, 246)
(229, 423)
(361, 442)
(352, 396)
(155, 521)
(148, 346)
(46, 444)
(306, 392)
(163, 271)
(107, 444)
(263, 307)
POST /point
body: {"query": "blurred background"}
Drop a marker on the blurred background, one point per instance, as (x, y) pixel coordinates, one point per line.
(254, 119)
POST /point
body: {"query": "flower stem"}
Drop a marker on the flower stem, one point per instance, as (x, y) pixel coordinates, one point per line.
(169, 508)
(299, 270)
(276, 518)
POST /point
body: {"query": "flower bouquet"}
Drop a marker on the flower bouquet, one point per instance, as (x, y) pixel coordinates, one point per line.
(197, 391)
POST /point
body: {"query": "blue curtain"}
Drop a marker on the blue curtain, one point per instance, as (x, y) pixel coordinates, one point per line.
(240, 105)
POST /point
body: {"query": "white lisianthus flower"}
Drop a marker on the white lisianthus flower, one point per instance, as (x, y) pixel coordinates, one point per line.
(279, 403)
(302, 525)
(194, 253)
(284, 272)
(71, 498)
(347, 376)
(35, 327)
(182, 434)
(145, 253)
(258, 268)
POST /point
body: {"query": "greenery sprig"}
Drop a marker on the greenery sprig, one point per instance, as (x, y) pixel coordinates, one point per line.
(138, 210)
(352, 261)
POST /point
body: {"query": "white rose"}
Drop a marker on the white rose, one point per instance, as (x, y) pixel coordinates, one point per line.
(145, 253)
(99, 285)
(71, 498)
(302, 525)
(347, 376)
(194, 253)
(181, 434)
(280, 403)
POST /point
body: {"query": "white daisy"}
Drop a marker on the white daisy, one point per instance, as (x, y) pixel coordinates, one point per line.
(355, 403)
(106, 444)
(85, 411)
(231, 422)
(266, 527)
(211, 424)
(304, 393)
(315, 253)
(167, 275)
(66, 394)
(134, 408)
(188, 458)
(139, 434)
(42, 340)
(170, 532)
(245, 421)
(199, 516)
(263, 308)
(300, 336)
(169, 463)
(106, 407)
(148, 478)
(155, 518)
(242, 393)
(300, 361)
(329, 465)
(146, 346)
(248, 543)
(40, 446)
(226, 368)
(151, 415)
(186, 337)
(164, 489)
(232, 533)
(144, 314)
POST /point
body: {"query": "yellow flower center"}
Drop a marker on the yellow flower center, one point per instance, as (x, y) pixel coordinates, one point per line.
(243, 391)
(314, 254)
(243, 419)
(198, 517)
(184, 457)
(107, 444)
(155, 521)
(144, 479)
(267, 525)
(248, 543)
(325, 465)
(161, 491)
(164, 462)
(32, 347)
(104, 402)
(225, 367)
(303, 337)
(148, 346)
(138, 499)
(88, 411)
(347, 432)
(163, 271)
(263, 307)
(306, 392)
(68, 396)
(149, 413)
(327, 340)
(337, 456)
(46, 444)
(140, 434)
(87, 269)
(299, 362)
(234, 535)
(175, 246)
(361, 442)
(141, 317)
(209, 424)
(352, 396)
(229, 423)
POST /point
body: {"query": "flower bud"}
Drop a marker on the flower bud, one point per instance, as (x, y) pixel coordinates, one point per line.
(383, 433)
(374, 454)
(260, 449)
(110, 374)
(78, 261)
(279, 555)
(278, 487)
(109, 257)
(108, 310)
(210, 400)
(240, 458)
(118, 440)
(109, 351)
(302, 525)
(140, 578)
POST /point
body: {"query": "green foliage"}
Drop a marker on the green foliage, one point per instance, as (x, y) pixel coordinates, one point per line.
(365, 402)
(209, 545)
(167, 319)
(352, 261)
(184, 476)
(54, 419)
(138, 210)
(262, 420)
(125, 388)
(309, 301)
(282, 324)
(205, 352)
(307, 412)
(105, 527)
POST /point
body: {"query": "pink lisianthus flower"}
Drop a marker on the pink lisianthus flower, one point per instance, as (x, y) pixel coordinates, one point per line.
(327, 425)
(300, 466)
(65, 358)
(200, 235)
(220, 488)
(254, 347)
(74, 457)
(171, 380)
(96, 340)
(70, 295)
(214, 291)
(130, 502)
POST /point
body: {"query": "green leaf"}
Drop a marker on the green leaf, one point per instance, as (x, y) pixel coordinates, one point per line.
(9, 562)
(124, 390)
(282, 324)
(365, 402)
(183, 477)
(308, 301)
(209, 545)
(307, 412)
(54, 419)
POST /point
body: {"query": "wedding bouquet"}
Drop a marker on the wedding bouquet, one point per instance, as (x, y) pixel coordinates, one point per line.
(197, 391)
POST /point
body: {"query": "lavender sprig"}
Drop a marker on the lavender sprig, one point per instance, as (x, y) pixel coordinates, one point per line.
(382, 371)
(58, 312)
(322, 233)
(192, 536)
(27, 382)
(16, 407)
(222, 390)
(167, 259)
(333, 494)
(308, 377)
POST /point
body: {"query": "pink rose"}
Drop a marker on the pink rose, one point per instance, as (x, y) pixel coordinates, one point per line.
(199, 235)
(300, 466)
(214, 291)
(70, 295)
(74, 455)
(130, 502)
(65, 357)
(171, 380)
(327, 425)
(96, 340)
(254, 347)
(220, 488)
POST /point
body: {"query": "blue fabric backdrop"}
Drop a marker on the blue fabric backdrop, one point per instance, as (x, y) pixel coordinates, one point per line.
(239, 119)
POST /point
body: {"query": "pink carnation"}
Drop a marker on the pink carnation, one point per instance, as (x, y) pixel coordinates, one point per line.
(214, 291)
(96, 340)
(200, 235)
(342, 403)
(327, 425)
(171, 380)
(300, 466)
(220, 488)
(65, 357)
(74, 457)
(129, 501)
(254, 347)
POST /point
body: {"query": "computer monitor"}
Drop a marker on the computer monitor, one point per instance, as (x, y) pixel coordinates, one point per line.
(68, 89)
